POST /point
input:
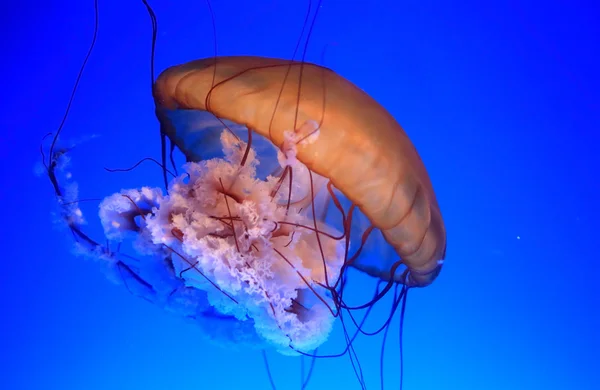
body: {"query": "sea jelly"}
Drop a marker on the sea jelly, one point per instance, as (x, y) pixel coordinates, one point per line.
(291, 172)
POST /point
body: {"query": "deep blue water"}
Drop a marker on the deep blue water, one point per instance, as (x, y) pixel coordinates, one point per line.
(501, 100)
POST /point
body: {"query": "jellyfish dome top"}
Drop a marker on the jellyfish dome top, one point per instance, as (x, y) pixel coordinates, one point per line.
(290, 168)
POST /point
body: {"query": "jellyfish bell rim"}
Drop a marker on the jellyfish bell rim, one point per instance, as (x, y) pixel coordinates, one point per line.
(388, 180)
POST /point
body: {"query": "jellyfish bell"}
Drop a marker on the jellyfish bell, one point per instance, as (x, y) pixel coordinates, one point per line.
(359, 147)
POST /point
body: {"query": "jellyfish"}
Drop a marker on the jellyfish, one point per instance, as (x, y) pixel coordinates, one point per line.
(290, 169)
(293, 176)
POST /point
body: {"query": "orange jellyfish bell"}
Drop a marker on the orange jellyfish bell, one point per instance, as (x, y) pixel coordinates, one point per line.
(360, 148)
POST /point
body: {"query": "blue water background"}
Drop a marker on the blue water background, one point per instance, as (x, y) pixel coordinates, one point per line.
(500, 98)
